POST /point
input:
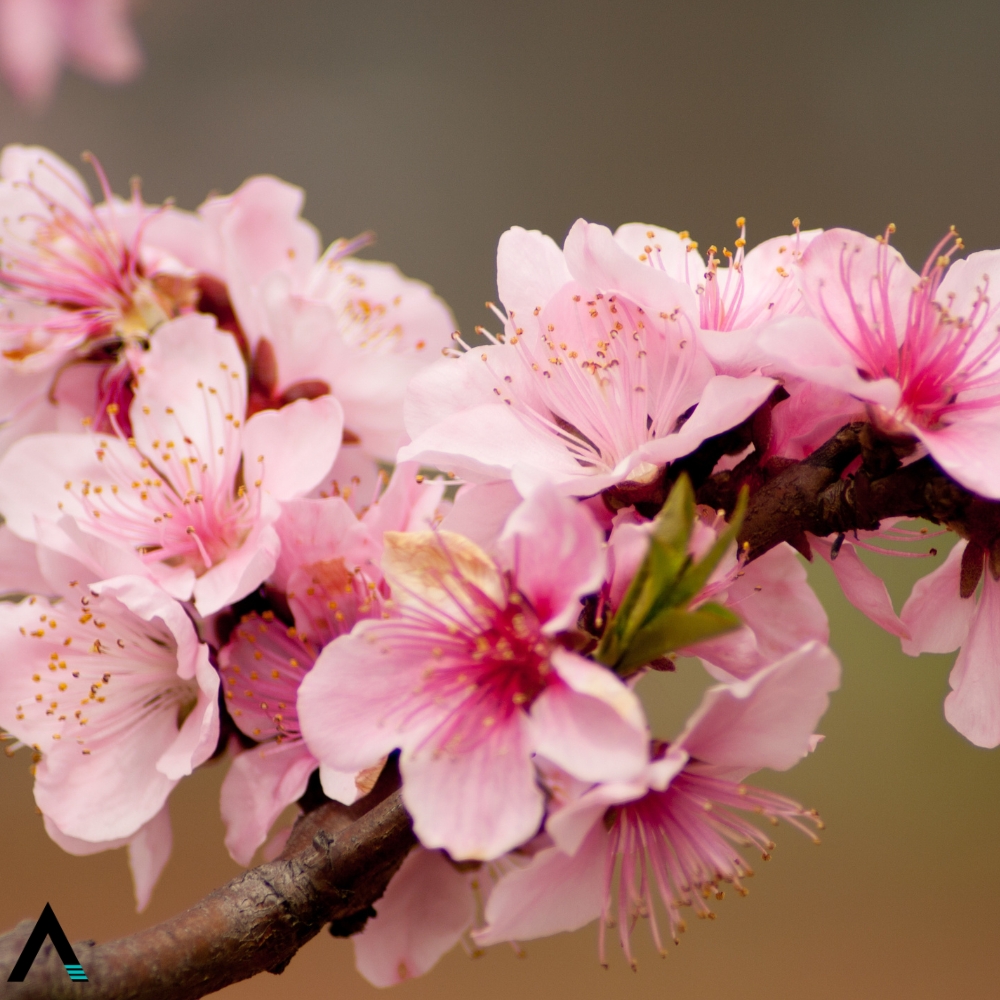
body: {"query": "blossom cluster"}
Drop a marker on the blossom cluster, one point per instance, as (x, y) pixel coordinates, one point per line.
(263, 505)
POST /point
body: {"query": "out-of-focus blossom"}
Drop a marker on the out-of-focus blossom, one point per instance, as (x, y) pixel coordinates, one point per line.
(921, 350)
(38, 36)
(192, 494)
(329, 323)
(117, 697)
(599, 377)
(673, 827)
(944, 613)
(84, 287)
(469, 680)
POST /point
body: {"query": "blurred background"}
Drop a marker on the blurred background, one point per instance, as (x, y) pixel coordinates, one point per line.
(439, 125)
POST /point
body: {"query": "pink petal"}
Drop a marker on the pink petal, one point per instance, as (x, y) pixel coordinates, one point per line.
(314, 531)
(260, 783)
(973, 706)
(725, 402)
(34, 472)
(477, 804)
(260, 233)
(148, 854)
(592, 726)
(861, 586)
(555, 892)
(481, 510)
(778, 608)
(964, 449)
(676, 257)
(937, 616)
(243, 570)
(31, 47)
(837, 278)
(409, 503)
(346, 699)
(766, 721)
(530, 270)
(19, 572)
(597, 261)
(425, 910)
(290, 450)
(193, 378)
(804, 347)
(966, 279)
(100, 41)
(487, 442)
(556, 552)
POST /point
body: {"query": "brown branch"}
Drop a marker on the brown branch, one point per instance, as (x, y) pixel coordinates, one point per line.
(815, 496)
(339, 860)
(337, 863)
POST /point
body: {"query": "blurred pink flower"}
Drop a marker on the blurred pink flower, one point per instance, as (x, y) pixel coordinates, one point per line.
(82, 283)
(191, 496)
(598, 378)
(674, 826)
(38, 36)
(468, 680)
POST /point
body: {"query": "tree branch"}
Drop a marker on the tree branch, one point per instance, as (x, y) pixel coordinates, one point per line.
(337, 863)
(339, 859)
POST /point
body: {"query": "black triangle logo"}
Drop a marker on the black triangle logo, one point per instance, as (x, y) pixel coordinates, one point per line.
(47, 927)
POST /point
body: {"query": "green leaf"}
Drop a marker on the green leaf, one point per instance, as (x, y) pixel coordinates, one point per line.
(673, 629)
(653, 619)
(697, 576)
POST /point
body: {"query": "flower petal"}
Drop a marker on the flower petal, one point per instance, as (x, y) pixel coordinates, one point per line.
(973, 706)
(425, 910)
(937, 616)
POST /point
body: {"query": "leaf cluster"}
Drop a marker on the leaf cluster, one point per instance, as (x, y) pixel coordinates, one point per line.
(655, 617)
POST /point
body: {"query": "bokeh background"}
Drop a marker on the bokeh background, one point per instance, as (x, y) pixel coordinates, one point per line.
(439, 125)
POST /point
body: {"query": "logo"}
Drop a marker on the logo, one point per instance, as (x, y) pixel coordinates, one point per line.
(47, 927)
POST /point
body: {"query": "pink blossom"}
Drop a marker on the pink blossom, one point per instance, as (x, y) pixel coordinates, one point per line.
(468, 679)
(332, 323)
(940, 620)
(83, 282)
(754, 287)
(674, 826)
(170, 496)
(328, 572)
(262, 666)
(599, 376)
(771, 595)
(38, 36)
(920, 349)
(116, 696)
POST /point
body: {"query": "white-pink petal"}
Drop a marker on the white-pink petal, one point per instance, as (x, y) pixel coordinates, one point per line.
(425, 910)
(936, 615)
